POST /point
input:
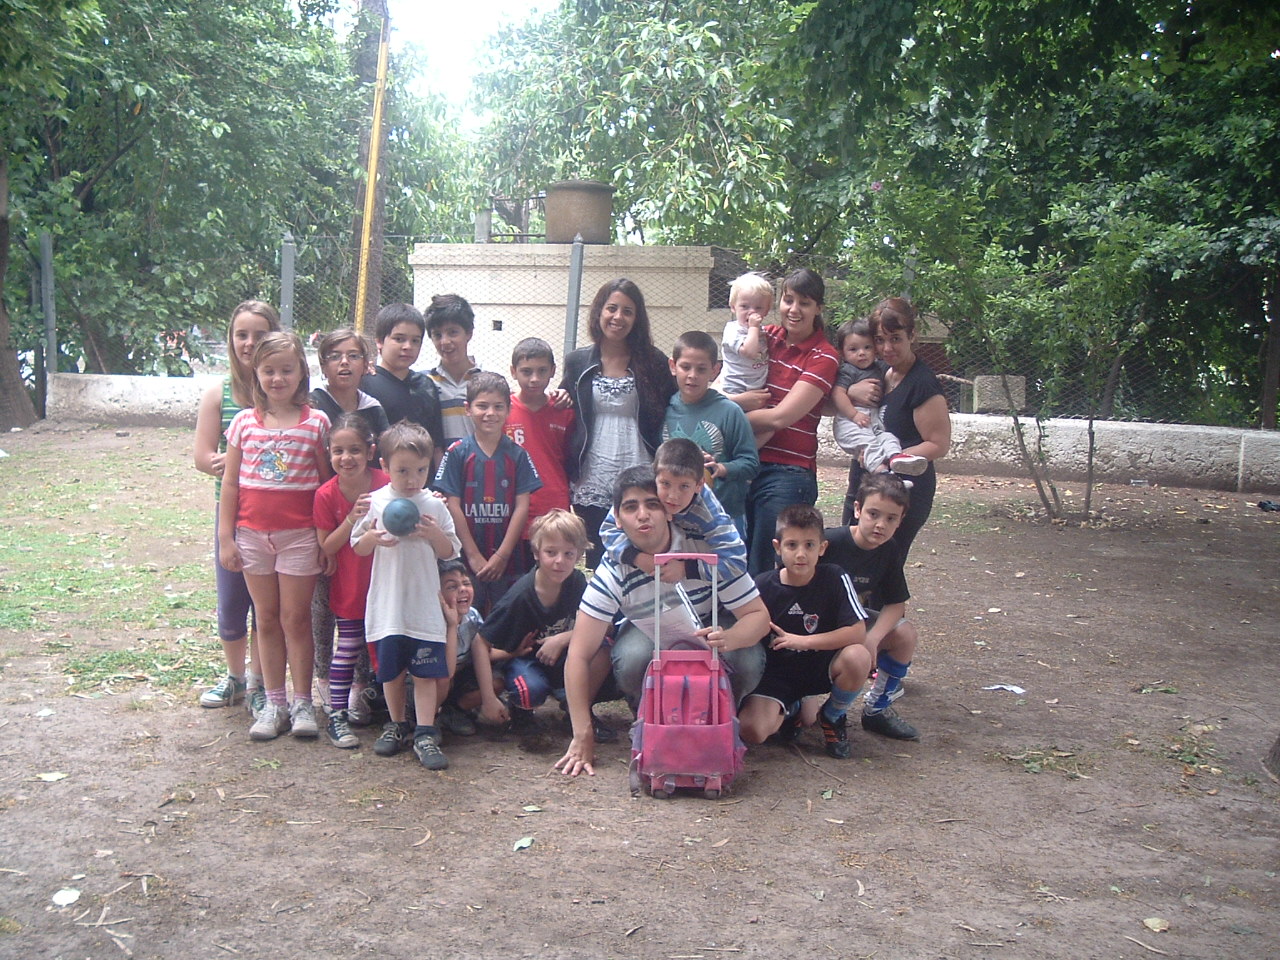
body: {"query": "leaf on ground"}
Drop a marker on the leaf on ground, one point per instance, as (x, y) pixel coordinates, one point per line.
(524, 843)
(531, 808)
(1156, 924)
(52, 777)
(66, 897)
(828, 793)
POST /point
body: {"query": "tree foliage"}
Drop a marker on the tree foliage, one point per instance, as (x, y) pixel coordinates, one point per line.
(168, 150)
(1081, 152)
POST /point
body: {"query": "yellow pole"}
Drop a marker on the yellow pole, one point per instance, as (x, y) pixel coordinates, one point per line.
(371, 179)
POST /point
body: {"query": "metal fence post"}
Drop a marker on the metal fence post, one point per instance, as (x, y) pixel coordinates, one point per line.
(288, 254)
(575, 296)
(46, 304)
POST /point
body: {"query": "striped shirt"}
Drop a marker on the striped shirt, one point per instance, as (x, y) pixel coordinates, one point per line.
(812, 361)
(453, 403)
(619, 588)
(279, 469)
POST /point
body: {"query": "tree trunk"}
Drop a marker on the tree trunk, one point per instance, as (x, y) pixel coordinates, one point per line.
(1271, 361)
(371, 19)
(1272, 763)
(15, 403)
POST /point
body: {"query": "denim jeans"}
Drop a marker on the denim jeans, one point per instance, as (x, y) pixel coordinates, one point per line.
(776, 486)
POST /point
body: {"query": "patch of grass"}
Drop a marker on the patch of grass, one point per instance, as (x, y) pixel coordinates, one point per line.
(965, 516)
(166, 665)
(86, 578)
(10, 925)
(1050, 760)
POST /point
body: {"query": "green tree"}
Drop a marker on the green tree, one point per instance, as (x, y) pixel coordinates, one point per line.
(38, 43)
(176, 146)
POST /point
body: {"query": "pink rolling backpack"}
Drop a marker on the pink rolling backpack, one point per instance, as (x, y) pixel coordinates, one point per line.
(686, 732)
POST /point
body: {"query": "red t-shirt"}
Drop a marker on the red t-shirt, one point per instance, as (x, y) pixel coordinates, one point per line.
(812, 361)
(349, 586)
(544, 434)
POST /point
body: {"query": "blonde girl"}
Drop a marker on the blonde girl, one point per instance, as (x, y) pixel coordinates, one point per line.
(250, 322)
(276, 460)
(339, 504)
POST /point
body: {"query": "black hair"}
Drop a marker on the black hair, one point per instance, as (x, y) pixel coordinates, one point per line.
(696, 340)
(450, 308)
(394, 314)
(799, 516)
(642, 476)
(680, 456)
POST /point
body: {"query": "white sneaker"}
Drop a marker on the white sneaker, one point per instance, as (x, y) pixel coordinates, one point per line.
(909, 464)
(272, 721)
(302, 715)
(359, 712)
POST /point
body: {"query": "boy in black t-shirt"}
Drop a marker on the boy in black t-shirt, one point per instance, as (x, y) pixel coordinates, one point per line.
(817, 643)
(526, 635)
(867, 553)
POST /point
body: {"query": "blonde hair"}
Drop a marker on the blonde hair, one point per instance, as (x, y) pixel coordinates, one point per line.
(559, 523)
(750, 283)
(242, 378)
(282, 341)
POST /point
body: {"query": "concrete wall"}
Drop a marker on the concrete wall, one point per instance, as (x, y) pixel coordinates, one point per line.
(1218, 458)
(523, 287)
(127, 401)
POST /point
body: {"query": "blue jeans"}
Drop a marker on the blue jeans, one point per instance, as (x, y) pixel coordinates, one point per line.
(776, 486)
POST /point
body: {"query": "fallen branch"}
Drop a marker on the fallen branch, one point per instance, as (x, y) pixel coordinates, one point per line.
(1144, 946)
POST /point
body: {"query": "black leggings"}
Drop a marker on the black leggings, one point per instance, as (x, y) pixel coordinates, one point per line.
(592, 518)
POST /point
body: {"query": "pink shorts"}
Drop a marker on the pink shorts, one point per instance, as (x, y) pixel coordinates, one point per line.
(295, 553)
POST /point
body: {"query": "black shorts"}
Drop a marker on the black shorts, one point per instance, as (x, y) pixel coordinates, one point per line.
(792, 675)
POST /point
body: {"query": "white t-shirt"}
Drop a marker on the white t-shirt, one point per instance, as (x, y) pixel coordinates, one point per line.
(741, 373)
(404, 587)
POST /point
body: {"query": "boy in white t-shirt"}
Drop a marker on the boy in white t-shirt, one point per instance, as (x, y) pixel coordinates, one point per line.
(414, 632)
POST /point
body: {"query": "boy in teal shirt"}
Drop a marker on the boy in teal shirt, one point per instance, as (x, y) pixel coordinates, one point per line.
(712, 421)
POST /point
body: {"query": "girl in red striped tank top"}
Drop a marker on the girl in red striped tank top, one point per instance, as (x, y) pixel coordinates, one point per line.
(276, 460)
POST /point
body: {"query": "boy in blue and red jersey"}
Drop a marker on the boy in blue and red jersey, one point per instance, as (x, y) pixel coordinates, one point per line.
(487, 479)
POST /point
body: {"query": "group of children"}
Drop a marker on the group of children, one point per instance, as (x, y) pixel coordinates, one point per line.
(477, 605)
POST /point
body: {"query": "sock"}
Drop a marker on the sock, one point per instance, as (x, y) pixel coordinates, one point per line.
(888, 680)
(302, 696)
(253, 680)
(423, 730)
(838, 703)
(278, 697)
(237, 677)
(342, 666)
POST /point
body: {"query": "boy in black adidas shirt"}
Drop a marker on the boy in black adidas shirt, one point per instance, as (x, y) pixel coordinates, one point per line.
(817, 637)
(868, 554)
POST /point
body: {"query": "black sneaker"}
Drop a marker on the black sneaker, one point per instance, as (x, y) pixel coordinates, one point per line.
(453, 719)
(600, 730)
(836, 736)
(887, 723)
(522, 720)
(427, 747)
(394, 738)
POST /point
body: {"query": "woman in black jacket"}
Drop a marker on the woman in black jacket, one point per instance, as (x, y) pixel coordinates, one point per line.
(620, 387)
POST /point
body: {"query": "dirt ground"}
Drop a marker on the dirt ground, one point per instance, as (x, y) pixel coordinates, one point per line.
(1122, 792)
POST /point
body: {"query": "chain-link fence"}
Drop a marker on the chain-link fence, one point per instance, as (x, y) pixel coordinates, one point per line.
(520, 289)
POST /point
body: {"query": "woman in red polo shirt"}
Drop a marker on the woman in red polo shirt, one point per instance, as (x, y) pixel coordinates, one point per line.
(802, 370)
